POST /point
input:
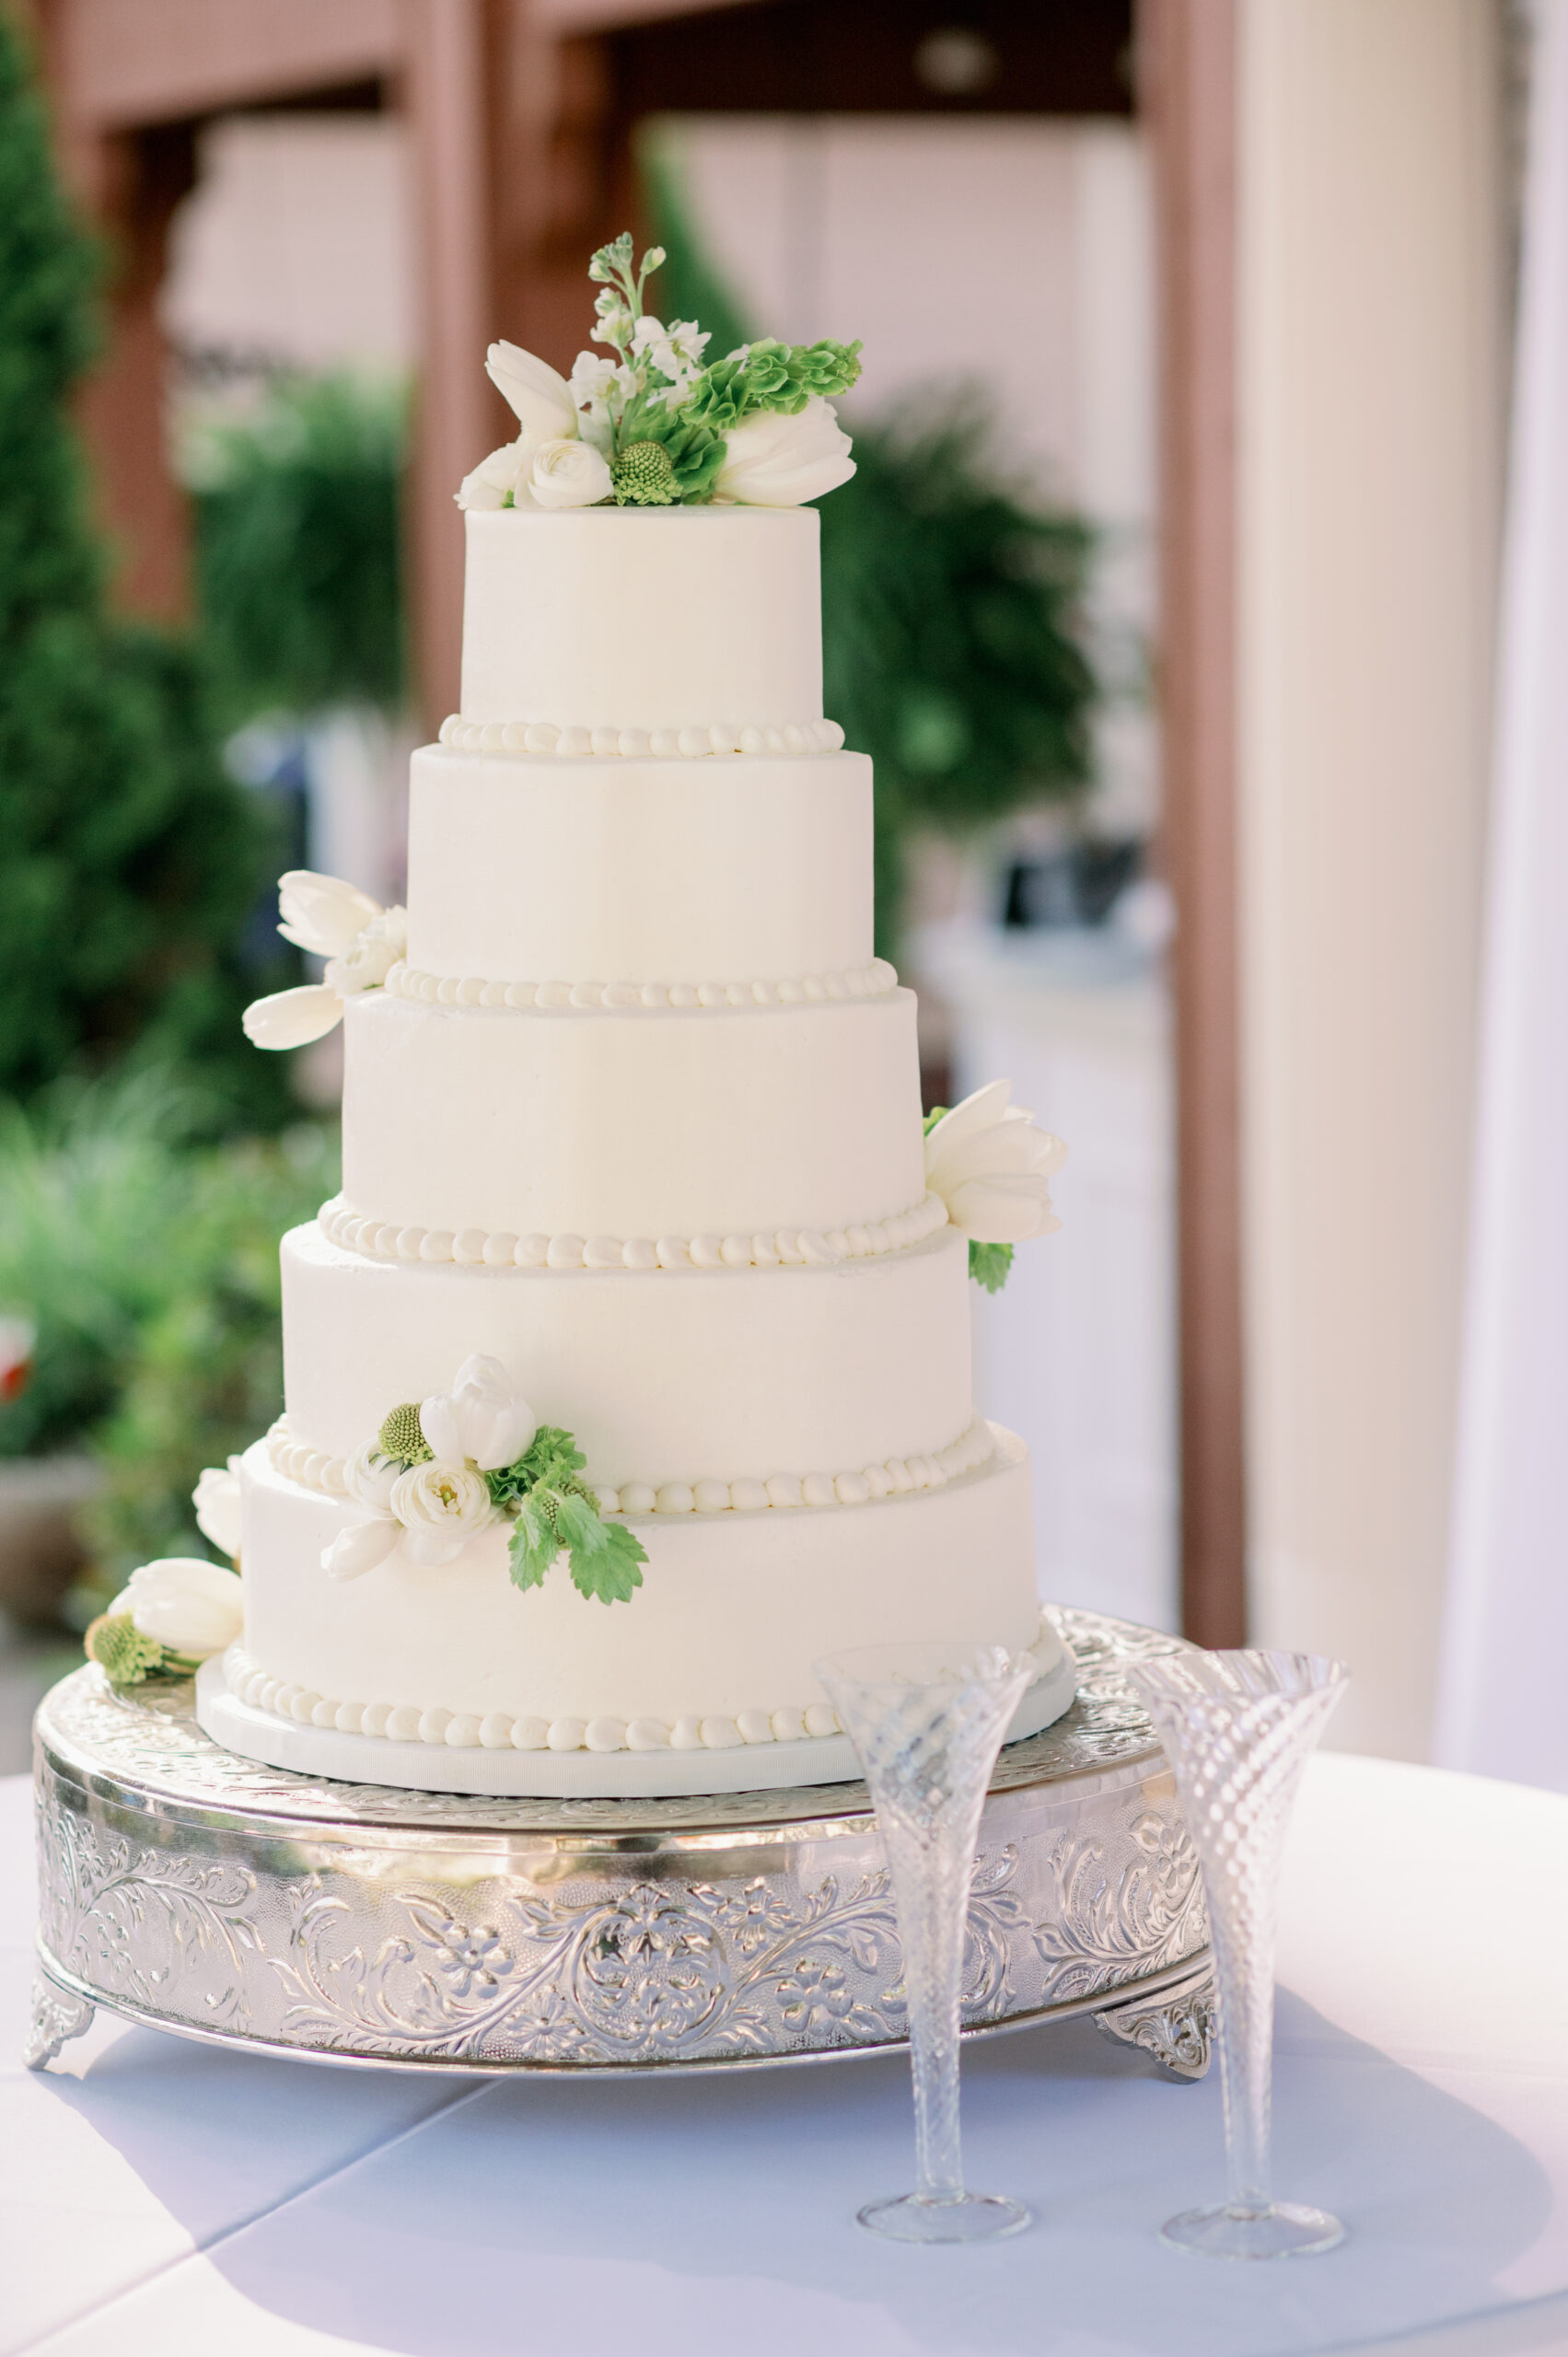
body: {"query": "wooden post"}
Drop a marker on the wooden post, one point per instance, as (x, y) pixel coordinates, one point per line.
(1187, 84)
(459, 417)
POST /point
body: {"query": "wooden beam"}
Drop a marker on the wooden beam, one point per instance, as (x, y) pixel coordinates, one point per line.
(1187, 86)
(125, 62)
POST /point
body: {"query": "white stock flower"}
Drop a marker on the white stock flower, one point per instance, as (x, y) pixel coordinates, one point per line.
(502, 480)
(293, 1018)
(991, 1167)
(593, 379)
(689, 342)
(216, 1500)
(541, 398)
(568, 474)
(321, 913)
(441, 1507)
(481, 1421)
(185, 1603)
(614, 325)
(773, 460)
(368, 960)
(360, 1546)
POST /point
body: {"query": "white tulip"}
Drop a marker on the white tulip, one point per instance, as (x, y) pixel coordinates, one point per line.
(502, 480)
(441, 1507)
(481, 1421)
(371, 956)
(360, 1546)
(186, 1604)
(321, 913)
(568, 473)
(292, 1018)
(216, 1500)
(991, 1167)
(370, 1477)
(541, 399)
(774, 460)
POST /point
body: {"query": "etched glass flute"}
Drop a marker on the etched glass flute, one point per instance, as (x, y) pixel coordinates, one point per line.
(1238, 1729)
(927, 1721)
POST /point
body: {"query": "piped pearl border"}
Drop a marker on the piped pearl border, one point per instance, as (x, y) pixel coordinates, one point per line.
(470, 990)
(690, 742)
(357, 1231)
(313, 1469)
(408, 1723)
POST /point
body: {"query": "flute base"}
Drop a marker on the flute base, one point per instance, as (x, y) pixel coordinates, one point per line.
(945, 2218)
(1284, 2230)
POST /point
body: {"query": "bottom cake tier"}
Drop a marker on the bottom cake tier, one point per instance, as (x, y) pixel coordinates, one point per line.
(713, 1655)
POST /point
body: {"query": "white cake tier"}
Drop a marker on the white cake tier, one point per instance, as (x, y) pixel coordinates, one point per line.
(690, 1376)
(732, 871)
(643, 619)
(713, 1650)
(677, 1122)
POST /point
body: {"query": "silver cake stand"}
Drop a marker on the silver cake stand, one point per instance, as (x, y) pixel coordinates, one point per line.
(188, 1889)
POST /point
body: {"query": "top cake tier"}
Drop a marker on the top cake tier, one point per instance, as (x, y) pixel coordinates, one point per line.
(643, 619)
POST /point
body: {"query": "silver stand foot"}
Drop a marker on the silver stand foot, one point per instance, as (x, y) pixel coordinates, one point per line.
(1175, 2029)
(56, 2017)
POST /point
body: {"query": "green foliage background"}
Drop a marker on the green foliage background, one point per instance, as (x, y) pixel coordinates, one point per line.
(130, 860)
(952, 637)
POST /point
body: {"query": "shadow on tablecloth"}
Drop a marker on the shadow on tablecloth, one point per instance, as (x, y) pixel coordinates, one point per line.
(714, 2214)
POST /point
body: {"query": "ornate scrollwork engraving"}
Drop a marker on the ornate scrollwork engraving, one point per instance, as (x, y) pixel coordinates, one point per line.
(203, 1890)
(1177, 2028)
(57, 2015)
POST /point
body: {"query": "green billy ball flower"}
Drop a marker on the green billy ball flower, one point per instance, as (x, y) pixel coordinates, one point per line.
(644, 476)
(401, 1438)
(121, 1651)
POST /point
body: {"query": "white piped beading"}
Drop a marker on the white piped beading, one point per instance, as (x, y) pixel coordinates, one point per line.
(859, 1486)
(411, 1723)
(548, 738)
(562, 997)
(478, 1248)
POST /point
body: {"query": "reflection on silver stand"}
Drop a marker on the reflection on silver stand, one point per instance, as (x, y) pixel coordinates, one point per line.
(188, 1889)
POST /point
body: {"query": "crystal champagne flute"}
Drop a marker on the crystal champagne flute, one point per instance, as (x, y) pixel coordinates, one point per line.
(1238, 1729)
(927, 1721)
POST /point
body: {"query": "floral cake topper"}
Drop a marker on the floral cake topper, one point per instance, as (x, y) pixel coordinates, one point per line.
(650, 422)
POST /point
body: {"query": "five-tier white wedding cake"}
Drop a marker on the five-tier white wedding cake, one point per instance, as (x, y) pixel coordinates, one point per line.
(630, 1372)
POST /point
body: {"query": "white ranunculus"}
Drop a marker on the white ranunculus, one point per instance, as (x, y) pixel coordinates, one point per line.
(991, 1167)
(773, 460)
(441, 1507)
(484, 1420)
(568, 474)
(502, 480)
(360, 1546)
(185, 1603)
(541, 399)
(293, 1018)
(371, 956)
(321, 913)
(216, 1500)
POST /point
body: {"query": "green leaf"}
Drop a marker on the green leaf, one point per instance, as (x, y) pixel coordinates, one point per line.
(604, 1555)
(534, 1545)
(932, 1118)
(990, 1263)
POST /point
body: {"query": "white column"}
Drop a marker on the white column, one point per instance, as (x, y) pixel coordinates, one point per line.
(1369, 359)
(1506, 1634)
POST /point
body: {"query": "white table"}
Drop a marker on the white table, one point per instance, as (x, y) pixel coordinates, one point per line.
(159, 2196)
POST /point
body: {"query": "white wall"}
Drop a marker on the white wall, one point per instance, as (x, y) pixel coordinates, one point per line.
(1371, 338)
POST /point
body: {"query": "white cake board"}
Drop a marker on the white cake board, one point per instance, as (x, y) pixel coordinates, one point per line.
(570, 1775)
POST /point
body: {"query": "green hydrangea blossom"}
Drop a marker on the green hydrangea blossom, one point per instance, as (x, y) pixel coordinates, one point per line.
(768, 375)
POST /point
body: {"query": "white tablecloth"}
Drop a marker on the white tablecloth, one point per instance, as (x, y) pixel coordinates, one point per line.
(159, 2196)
